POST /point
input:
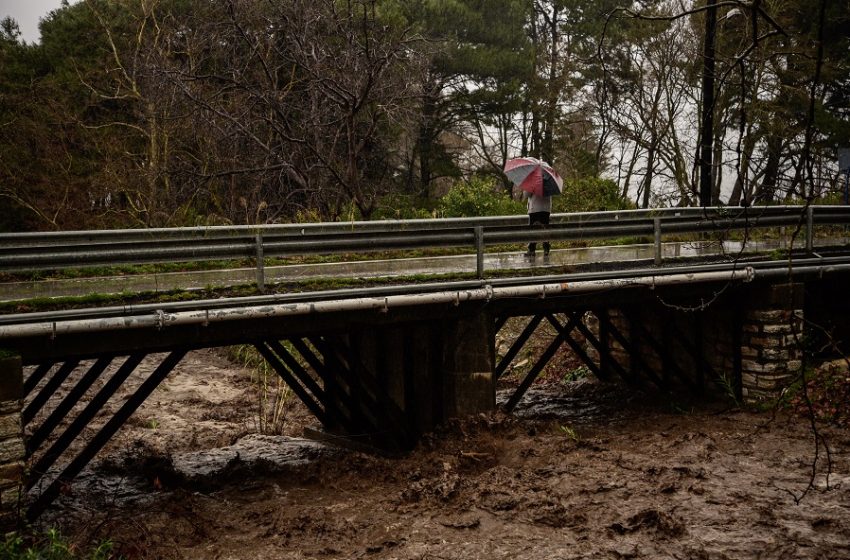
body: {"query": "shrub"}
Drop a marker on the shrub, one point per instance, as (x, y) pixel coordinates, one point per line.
(478, 197)
(402, 207)
(590, 194)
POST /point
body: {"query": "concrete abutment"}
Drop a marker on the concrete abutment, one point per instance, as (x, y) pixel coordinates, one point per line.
(432, 370)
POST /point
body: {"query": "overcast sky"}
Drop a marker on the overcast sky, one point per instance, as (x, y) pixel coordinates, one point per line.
(27, 14)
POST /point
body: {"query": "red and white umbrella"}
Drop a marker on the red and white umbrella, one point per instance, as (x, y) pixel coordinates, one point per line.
(534, 176)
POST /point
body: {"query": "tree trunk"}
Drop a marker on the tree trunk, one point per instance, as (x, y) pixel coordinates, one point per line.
(650, 168)
(767, 189)
(426, 140)
(547, 148)
(741, 189)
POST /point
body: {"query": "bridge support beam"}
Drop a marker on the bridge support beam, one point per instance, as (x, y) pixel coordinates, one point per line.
(747, 346)
(468, 365)
(12, 451)
(419, 373)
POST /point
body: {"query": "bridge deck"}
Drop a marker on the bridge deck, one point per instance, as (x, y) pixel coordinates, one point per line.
(384, 268)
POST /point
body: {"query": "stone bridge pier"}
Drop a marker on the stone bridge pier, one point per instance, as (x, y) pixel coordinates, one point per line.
(748, 344)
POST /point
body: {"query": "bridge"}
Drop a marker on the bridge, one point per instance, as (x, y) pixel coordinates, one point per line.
(383, 364)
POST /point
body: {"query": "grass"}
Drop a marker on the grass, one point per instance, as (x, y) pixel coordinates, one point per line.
(50, 546)
(569, 432)
(93, 300)
(272, 393)
(122, 270)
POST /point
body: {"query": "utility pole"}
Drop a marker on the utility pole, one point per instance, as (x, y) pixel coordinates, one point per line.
(707, 132)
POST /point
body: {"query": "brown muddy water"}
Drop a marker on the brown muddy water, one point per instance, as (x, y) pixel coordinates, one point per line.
(581, 470)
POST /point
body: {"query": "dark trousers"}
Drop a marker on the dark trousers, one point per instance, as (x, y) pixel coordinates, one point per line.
(538, 219)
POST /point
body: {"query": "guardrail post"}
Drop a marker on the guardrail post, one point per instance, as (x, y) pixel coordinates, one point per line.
(479, 251)
(261, 270)
(810, 222)
(656, 226)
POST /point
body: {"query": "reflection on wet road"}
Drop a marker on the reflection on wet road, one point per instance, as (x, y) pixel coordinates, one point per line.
(169, 281)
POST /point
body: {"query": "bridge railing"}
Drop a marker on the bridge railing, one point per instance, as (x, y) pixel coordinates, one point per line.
(23, 252)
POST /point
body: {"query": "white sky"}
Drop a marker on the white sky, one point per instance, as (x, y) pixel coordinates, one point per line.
(27, 13)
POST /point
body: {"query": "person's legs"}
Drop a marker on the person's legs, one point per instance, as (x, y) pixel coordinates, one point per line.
(544, 219)
(534, 218)
(537, 219)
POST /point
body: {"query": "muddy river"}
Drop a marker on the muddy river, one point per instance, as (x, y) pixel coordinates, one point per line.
(581, 470)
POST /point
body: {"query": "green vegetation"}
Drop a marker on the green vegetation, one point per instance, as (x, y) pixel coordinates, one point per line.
(479, 196)
(94, 300)
(581, 372)
(590, 194)
(569, 432)
(121, 270)
(396, 206)
(50, 546)
(272, 393)
(828, 391)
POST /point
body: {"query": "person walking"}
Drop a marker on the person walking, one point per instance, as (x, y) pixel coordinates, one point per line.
(539, 208)
(539, 183)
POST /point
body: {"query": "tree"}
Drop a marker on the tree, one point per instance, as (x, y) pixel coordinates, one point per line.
(44, 164)
(777, 115)
(305, 96)
(476, 60)
(648, 100)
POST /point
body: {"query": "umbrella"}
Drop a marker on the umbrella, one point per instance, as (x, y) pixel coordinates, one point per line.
(534, 176)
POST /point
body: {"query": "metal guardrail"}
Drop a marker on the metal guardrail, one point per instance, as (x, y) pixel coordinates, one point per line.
(24, 252)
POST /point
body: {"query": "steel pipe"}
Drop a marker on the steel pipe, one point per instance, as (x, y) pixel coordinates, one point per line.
(161, 319)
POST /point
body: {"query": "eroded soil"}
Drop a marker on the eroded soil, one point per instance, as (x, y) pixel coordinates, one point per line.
(589, 471)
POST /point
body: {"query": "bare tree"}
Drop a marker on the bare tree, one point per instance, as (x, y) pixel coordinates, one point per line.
(648, 105)
(304, 99)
